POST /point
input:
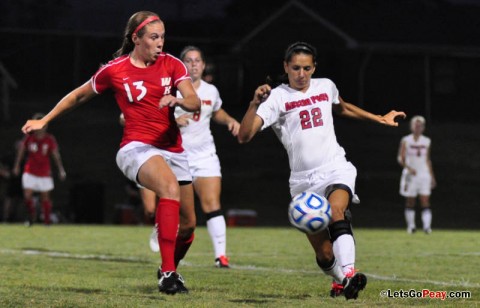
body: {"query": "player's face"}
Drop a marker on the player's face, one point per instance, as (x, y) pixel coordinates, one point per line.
(418, 128)
(150, 45)
(194, 63)
(299, 70)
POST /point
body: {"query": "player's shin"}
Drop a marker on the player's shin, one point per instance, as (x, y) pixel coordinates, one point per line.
(343, 243)
(167, 219)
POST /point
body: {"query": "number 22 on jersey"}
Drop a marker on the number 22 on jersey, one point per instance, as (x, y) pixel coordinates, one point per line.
(311, 118)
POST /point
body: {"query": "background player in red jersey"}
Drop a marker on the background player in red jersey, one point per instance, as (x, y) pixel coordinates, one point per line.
(144, 80)
(37, 175)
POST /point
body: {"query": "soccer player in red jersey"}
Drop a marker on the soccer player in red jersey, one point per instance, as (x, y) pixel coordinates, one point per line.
(37, 174)
(144, 80)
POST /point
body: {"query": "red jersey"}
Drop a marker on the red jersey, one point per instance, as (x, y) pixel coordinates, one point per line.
(138, 92)
(38, 154)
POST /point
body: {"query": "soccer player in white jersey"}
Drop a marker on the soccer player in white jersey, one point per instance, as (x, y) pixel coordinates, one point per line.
(197, 140)
(300, 113)
(417, 178)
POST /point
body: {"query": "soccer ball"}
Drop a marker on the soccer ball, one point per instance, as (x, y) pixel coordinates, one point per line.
(309, 212)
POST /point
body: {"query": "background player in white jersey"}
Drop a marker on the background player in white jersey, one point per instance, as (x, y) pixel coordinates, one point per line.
(300, 113)
(417, 178)
(197, 140)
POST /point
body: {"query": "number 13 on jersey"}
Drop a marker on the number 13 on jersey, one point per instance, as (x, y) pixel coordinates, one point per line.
(311, 118)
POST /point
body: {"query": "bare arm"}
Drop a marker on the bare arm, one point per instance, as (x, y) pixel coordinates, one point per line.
(189, 101)
(222, 117)
(251, 122)
(430, 168)
(58, 161)
(349, 110)
(18, 159)
(73, 99)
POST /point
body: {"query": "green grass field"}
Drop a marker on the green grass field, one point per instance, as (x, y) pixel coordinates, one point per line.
(112, 266)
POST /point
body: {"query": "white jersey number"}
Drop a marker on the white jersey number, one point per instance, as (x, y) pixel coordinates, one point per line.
(311, 118)
(139, 86)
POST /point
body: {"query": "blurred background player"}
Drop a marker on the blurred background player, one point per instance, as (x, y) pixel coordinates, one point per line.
(200, 147)
(144, 80)
(417, 178)
(300, 113)
(37, 176)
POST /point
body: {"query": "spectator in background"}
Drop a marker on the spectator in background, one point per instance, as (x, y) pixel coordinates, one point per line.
(39, 147)
(200, 147)
(417, 178)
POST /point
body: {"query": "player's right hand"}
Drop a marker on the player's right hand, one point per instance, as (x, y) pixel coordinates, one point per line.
(33, 125)
(261, 94)
(183, 120)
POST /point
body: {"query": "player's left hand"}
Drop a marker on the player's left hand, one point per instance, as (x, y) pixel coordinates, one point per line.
(62, 175)
(234, 127)
(389, 118)
(170, 101)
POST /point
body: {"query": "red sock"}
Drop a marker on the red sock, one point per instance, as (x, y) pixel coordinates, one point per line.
(30, 209)
(167, 220)
(47, 209)
(181, 247)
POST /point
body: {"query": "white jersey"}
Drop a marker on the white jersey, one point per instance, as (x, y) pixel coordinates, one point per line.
(197, 136)
(416, 153)
(304, 124)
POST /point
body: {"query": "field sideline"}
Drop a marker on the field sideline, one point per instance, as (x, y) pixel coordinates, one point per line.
(112, 266)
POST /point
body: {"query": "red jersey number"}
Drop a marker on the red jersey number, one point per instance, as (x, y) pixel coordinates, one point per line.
(196, 116)
(311, 118)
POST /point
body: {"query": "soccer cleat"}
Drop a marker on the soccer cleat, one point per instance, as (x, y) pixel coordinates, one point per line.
(411, 230)
(222, 262)
(171, 283)
(353, 283)
(427, 231)
(154, 241)
(337, 289)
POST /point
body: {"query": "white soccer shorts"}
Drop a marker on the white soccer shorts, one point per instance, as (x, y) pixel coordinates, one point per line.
(415, 185)
(208, 166)
(317, 180)
(133, 155)
(37, 183)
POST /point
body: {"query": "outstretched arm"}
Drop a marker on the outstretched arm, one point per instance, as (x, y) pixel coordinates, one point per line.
(222, 117)
(349, 110)
(73, 99)
(251, 122)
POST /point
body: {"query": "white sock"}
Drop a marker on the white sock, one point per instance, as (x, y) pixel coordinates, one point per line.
(335, 271)
(217, 229)
(344, 251)
(410, 218)
(427, 218)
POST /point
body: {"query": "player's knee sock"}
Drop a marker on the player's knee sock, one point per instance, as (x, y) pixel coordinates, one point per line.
(332, 268)
(344, 251)
(47, 209)
(410, 218)
(167, 219)
(427, 218)
(30, 208)
(181, 247)
(217, 228)
(341, 235)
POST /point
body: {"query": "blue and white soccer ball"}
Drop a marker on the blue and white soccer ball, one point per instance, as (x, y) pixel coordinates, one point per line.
(309, 212)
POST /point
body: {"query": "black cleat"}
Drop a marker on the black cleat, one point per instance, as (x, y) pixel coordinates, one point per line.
(171, 283)
(353, 285)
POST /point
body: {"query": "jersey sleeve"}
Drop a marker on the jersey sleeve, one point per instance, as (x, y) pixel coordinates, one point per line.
(53, 143)
(179, 71)
(335, 94)
(101, 80)
(217, 104)
(269, 111)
